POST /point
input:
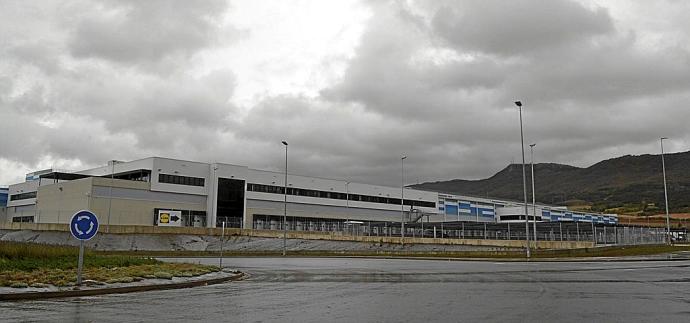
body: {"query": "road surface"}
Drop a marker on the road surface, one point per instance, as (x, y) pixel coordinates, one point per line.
(397, 290)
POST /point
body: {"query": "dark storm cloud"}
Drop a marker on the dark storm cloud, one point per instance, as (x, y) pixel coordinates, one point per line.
(603, 73)
(60, 103)
(433, 80)
(146, 31)
(591, 91)
(512, 27)
(152, 110)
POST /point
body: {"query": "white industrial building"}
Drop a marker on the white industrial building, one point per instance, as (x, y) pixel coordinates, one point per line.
(152, 191)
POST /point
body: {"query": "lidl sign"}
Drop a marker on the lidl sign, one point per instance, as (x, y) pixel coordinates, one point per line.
(169, 218)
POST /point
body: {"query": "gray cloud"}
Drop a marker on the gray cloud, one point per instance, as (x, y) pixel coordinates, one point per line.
(512, 27)
(433, 81)
(584, 85)
(146, 31)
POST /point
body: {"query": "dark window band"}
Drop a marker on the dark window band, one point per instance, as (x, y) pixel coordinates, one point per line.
(22, 196)
(180, 180)
(334, 195)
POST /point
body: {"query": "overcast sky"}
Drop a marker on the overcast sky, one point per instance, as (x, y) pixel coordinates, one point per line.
(351, 85)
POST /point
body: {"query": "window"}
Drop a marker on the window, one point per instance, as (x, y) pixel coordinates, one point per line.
(29, 219)
(22, 196)
(261, 188)
(180, 180)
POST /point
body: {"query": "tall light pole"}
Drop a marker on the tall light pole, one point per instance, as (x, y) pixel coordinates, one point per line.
(285, 201)
(534, 198)
(347, 200)
(402, 199)
(663, 168)
(524, 181)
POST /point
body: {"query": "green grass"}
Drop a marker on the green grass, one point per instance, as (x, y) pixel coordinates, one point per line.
(29, 264)
(31, 256)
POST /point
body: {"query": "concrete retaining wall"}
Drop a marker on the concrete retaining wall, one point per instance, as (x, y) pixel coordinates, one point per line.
(334, 236)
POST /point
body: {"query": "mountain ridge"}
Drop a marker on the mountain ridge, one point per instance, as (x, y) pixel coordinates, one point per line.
(629, 184)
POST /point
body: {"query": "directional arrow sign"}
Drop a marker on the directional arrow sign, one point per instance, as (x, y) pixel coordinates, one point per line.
(169, 218)
(84, 225)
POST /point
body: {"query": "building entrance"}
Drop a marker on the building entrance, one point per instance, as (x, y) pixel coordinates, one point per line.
(230, 206)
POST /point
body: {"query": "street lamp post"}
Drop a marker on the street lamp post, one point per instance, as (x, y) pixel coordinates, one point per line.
(402, 199)
(524, 181)
(663, 168)
(534, 198)
(285, 200)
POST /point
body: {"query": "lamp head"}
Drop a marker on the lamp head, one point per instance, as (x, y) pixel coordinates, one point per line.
(284, 142)
(518, 103)
(403, 157)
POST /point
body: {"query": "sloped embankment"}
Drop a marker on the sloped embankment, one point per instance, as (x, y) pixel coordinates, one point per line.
(173, 242)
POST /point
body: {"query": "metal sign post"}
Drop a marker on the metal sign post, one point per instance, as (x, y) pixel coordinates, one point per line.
(83, 226)
(80, 263)
(222, 240)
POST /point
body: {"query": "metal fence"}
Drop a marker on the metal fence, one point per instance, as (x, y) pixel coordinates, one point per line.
(546, 231)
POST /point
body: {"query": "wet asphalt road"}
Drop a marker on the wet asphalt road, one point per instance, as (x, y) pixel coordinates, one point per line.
(382, 290)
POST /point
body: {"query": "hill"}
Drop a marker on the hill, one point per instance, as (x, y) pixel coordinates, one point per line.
(627, 184)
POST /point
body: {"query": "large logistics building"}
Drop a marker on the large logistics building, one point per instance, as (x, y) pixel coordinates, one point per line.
(171, 192)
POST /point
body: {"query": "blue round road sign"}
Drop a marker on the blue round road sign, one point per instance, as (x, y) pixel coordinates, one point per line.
(84, 225)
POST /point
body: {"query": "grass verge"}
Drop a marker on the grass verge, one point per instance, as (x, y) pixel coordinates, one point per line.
(38, 265)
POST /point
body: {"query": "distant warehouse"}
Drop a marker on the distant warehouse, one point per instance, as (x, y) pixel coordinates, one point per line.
(171, 192)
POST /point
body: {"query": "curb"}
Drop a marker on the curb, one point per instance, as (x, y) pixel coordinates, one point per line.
(117, 290)
(531, 260)
(450, 258)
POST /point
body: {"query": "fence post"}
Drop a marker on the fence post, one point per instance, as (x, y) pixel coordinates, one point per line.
(641, 240)
(577, 226)
(615, 235)
(606, 240)
(560, 229)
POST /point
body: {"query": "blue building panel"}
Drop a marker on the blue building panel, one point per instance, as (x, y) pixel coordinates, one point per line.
(465, 208)
(451, 209)
(486, 213)
(3, 196)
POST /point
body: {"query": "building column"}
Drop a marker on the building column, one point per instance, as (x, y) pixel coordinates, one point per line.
(212, 197)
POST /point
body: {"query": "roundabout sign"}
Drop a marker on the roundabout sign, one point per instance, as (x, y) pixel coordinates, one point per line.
(84, 225)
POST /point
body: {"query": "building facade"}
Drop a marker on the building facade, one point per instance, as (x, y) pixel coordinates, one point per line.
(208, 194)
